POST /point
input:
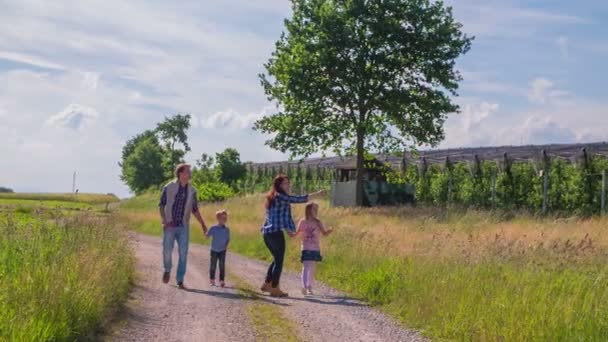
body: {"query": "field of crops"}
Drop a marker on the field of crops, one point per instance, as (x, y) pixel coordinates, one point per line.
(64, 269)
(456, 275)
(566, 180)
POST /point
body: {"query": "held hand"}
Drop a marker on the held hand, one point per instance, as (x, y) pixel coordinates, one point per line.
(291, 234)
(319, 193)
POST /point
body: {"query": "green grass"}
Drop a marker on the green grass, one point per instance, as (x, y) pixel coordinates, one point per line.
(268, 320)
(10, 203)
(469, 275)
(62, 197)
(61, 278)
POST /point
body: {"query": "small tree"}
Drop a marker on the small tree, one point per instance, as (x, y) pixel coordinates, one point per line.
(229, 166)
(142, 168)
(172, 133)
(368, 74)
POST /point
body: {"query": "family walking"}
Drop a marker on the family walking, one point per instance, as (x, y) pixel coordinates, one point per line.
(179, 201)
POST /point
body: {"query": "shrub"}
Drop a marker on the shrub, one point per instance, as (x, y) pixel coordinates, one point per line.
(214, 191)
(3, 189)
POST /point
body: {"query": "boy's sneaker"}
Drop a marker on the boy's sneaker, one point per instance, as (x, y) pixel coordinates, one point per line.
(222, 284)
(166, 277)
(304, 291)
(181, 286)
(212, 282)
(309, 292)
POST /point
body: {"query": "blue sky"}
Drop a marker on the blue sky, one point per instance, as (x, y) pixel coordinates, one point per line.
(77, 79)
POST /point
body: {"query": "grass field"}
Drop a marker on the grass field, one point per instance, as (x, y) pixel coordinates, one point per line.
(59, 197)
(62, 274)
(468, 275)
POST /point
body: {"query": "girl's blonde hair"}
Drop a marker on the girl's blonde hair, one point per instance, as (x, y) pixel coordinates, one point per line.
(308, 211)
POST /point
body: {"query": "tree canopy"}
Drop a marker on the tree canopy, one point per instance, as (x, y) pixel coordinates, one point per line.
(149, 158)
(362, 75)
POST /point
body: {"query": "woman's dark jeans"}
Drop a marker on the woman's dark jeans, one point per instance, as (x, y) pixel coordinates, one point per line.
(215, 257)
(276, 245)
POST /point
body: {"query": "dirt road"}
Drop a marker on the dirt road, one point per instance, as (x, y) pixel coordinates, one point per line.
(161, 312)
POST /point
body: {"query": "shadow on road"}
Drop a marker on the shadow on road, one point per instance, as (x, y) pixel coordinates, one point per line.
(247, 295)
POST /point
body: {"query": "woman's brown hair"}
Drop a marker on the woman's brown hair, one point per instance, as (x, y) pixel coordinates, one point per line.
(275, 189)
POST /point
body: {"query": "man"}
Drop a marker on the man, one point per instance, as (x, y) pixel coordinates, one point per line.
(177, 202)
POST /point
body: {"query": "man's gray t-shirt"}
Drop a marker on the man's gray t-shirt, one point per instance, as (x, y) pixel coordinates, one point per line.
(220, 236)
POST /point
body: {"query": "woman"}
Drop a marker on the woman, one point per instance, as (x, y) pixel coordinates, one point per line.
(278, 218)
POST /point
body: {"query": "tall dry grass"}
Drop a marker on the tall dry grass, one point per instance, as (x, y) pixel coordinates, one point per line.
(464, 275)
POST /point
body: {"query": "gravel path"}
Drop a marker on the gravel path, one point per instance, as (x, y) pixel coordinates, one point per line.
(163, 313)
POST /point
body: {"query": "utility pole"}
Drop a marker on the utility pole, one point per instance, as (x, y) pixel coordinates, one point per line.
(74, 182)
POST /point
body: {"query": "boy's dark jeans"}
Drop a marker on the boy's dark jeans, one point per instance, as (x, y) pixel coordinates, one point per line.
(276, 245)
(215, 257)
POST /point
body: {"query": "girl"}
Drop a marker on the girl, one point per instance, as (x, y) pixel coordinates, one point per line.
(310, 229)
(278, 218)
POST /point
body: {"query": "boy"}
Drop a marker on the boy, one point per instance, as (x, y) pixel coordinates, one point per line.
(220, 235)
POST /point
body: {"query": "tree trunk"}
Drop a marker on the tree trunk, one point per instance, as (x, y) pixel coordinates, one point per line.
(360, 166)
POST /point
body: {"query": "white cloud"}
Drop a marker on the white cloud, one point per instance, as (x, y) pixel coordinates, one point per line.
(543, 90)
(31, 60)
(537, 129)
(505, 19)
(474, 115)
(231, 119)
(90, 79)
(74, 116)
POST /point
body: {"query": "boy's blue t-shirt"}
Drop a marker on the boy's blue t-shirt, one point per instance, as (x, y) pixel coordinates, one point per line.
(220, 236)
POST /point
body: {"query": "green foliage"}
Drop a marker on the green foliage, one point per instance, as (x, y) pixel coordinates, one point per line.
(357, 75)
(229, 167)
(143, 167)
(62, 278)
(214, 191)
(83, 198)
(5, 190)
(172, 133)
(573, 188)
(157, 152)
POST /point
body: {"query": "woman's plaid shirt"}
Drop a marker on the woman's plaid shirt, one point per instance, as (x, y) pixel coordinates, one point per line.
(278, 216)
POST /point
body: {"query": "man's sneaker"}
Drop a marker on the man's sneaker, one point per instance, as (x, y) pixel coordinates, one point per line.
(276, 292)
(266, 287)
(222, 284)
(212, 282)
(166, 277)
(181, 285)
(304, 291)
(309, 292)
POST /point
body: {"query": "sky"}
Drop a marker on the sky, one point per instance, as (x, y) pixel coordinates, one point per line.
(79, 78)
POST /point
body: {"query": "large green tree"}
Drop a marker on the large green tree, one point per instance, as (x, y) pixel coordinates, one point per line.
(368, 74)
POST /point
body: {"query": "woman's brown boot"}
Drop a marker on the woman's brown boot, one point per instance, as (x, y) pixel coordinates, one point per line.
(266, 287)
(276, 292)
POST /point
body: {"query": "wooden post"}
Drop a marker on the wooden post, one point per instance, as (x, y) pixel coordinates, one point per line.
(545, 182)
(604, 180)
(493, 190)
(448, 169)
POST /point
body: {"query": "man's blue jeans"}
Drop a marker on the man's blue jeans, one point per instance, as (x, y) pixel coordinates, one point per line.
(181, 234)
